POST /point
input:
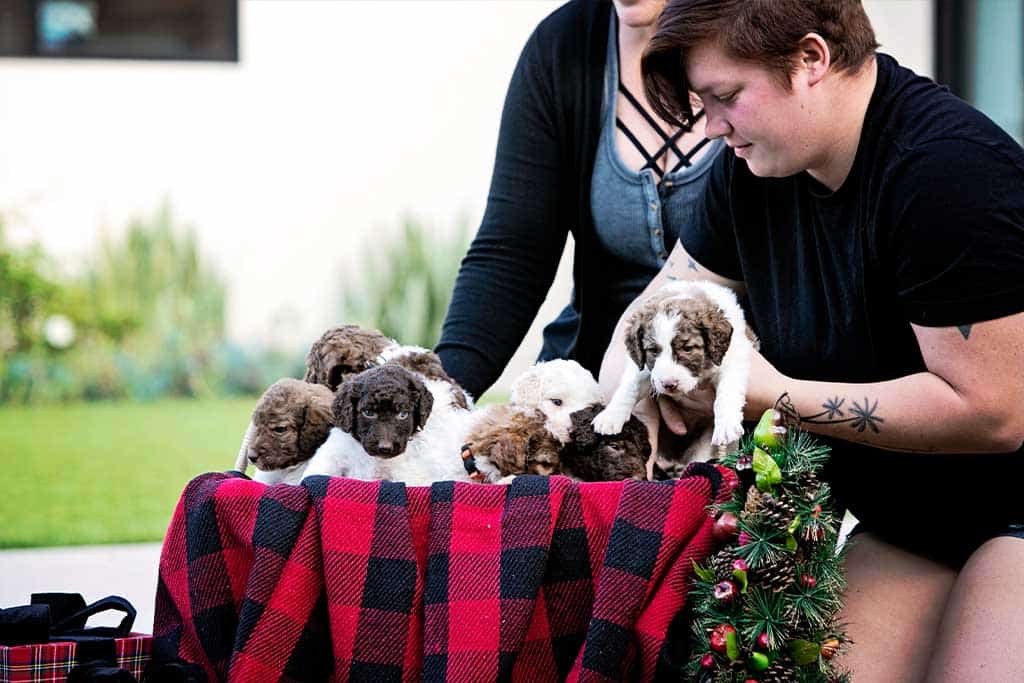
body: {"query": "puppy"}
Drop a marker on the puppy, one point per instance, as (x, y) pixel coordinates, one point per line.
(389, 425)
(338, 353)
(343, 351)
(686, 335)
(507, 440)
(557, 388)
(590, 456)
(290, 422)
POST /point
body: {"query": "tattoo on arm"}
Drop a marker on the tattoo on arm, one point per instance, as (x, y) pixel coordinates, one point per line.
(692, 265)
(965, 330)
(860, 417)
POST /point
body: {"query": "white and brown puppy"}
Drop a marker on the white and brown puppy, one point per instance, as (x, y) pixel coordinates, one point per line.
(686, 335)
(291, 420)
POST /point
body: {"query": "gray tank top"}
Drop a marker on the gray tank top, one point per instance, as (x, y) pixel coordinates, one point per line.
(637, 219)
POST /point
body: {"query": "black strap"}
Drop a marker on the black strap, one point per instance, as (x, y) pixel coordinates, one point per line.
(669, 140)
(73, 624)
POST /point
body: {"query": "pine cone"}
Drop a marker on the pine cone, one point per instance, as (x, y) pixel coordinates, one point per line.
(809, 483)
(779, 576)
(754, 498)
(781, 671)
(721, 564)
(777, 511)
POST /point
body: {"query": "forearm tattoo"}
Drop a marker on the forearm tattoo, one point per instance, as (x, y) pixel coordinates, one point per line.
(859, 416)
(965, 330)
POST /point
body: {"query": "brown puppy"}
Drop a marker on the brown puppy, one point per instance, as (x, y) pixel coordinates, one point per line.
(508, 440)
(590, 456)
(342, 351)
(382, 408)
(289, 423)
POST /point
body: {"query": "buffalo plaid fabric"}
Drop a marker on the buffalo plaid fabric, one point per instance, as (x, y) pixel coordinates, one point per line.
(51, 662)
(543, 579)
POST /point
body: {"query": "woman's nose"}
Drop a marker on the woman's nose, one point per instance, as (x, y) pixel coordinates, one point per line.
(716, 126)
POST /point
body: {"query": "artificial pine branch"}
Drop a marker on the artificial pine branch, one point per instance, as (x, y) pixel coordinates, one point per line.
(765, 606)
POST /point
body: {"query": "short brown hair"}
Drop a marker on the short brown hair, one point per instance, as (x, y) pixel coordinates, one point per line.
(763, 31)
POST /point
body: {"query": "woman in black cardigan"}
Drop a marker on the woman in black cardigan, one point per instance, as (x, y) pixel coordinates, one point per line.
(578, 151)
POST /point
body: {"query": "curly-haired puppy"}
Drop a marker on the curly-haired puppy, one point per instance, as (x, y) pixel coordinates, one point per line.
(427, 365)
(290, 422)
(343, 351)
(590, 456)
(508, 440)
(557, 388)
(686, 335)
(390, 425)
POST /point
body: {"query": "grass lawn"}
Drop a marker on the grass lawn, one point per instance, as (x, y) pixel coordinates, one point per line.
(108, 472)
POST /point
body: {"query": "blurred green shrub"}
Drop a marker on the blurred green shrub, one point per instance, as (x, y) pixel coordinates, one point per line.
(149, 321)
(407, 283)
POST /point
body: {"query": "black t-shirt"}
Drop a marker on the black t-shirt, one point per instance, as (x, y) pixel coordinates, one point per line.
(928, 228)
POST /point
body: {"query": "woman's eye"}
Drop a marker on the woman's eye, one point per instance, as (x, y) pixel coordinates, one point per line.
(557, 401)
(727, 99)
(402, 414)
(280, 430)
(369, 413)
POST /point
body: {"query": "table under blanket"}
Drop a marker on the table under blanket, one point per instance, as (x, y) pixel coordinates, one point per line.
(340, 579)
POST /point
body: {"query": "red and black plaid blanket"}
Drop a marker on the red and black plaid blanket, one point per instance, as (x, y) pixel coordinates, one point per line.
(543, 579)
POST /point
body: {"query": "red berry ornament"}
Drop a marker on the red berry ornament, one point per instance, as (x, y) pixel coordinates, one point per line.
(719, 637)
(726, 527)
(808, 581)
(762, 641)
(708, 661)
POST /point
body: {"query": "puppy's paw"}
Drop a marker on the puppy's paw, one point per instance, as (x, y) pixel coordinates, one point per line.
(609, 421)
(727, 431)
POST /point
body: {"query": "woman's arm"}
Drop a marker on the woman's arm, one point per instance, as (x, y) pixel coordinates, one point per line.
(512, 261)
(970, 400)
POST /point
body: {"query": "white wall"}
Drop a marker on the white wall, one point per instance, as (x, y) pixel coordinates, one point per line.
(340, 118)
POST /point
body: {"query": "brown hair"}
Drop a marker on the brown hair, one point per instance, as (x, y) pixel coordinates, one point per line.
(763, 31)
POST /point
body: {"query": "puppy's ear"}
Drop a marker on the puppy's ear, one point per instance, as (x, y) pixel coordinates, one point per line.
(314, 429)
(636, 430)
(717, 331)
(344, 406)
(424, 401)
(635, 330)
(315, 372)
(526, 389)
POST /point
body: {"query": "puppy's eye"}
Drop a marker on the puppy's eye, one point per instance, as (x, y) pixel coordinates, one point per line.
(280, 430)
(689, 347)
(402, 414)
(370, 413)
(557, 401)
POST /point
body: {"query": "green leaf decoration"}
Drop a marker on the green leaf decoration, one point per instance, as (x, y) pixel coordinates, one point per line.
(766, 470)
(793, 526)
(804, 652)
(703, 573)
(732, 646)
(741, 578)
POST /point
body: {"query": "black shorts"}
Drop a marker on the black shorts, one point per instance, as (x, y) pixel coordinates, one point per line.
(953, 549)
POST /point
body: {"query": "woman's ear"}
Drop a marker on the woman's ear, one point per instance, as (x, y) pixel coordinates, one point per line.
(815, 57)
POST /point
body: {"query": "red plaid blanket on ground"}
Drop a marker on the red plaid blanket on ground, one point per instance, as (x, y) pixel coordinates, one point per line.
(543, 579)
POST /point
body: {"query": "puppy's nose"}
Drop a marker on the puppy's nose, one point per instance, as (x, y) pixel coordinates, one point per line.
(385, 447)
(670, 384)
(251, 456)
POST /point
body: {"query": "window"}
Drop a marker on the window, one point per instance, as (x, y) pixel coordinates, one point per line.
(980, 56)
(130, 29)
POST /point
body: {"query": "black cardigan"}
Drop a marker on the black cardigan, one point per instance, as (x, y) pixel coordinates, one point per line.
(540, 191)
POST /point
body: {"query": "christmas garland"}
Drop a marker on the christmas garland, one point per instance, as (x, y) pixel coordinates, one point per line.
(765, 604)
